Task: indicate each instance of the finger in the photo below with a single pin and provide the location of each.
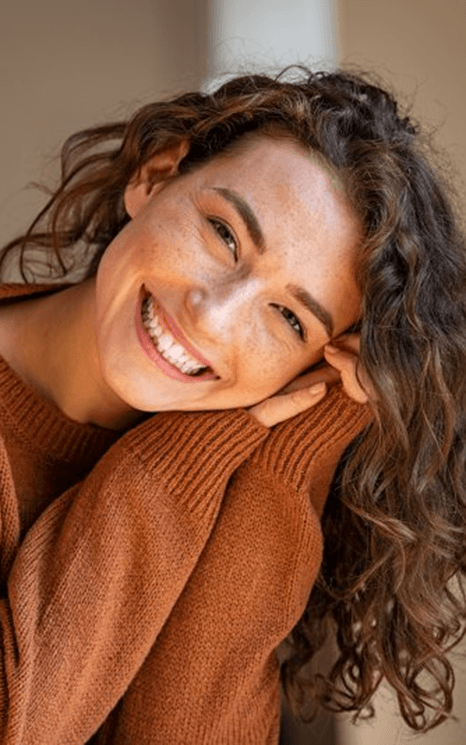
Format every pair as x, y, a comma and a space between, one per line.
340, 359
281, 407
348, 342
325, 374
347, 365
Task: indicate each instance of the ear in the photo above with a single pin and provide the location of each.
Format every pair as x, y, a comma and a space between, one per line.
152, 175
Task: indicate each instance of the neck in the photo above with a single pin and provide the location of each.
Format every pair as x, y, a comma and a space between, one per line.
57, 355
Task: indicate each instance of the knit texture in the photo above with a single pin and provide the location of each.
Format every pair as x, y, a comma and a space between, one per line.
149, 576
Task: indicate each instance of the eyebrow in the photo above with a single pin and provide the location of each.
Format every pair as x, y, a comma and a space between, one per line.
247, 215
255, 231
314, 306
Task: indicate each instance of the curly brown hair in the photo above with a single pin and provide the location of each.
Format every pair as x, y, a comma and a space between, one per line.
394, 524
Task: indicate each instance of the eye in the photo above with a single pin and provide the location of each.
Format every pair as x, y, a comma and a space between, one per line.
292, 320
225, 234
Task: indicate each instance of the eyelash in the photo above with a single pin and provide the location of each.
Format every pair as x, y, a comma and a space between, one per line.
218, 226
292, 320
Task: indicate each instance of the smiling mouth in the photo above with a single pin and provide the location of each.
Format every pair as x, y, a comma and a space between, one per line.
170, 347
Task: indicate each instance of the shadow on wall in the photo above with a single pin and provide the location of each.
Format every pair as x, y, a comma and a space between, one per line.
322, 731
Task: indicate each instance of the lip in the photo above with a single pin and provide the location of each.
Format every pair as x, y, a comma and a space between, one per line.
148, 347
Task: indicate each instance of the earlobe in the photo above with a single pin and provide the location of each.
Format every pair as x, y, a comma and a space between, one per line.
152, 175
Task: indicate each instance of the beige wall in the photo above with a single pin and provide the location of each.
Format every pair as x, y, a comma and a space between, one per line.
65, 65
419, 47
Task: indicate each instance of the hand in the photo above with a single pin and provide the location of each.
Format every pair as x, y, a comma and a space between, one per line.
307, 390
301, 394
344, 358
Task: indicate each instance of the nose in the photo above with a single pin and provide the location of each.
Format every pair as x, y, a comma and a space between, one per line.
219, 311
195, 299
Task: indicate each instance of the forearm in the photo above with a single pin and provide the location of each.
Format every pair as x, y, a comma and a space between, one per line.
99, 573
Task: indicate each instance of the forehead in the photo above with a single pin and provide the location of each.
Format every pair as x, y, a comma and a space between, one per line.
290, 185
267, 151
277, 166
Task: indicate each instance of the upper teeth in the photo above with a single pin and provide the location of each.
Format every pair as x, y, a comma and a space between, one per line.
165, 343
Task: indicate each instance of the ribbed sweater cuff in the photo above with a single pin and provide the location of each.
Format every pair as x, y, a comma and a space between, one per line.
304, 451
196, 450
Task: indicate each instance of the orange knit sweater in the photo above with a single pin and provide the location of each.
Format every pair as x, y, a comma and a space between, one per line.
149, 576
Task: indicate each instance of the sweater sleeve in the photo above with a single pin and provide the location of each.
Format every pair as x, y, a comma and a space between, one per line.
99, 572
295, 467
213, 675
303, 453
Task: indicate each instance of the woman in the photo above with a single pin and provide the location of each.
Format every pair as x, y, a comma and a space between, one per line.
154, 564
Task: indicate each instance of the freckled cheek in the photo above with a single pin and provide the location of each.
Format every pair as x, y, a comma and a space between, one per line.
177, 246
264, 364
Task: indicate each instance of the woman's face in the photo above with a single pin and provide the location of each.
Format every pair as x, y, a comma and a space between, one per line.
250, 261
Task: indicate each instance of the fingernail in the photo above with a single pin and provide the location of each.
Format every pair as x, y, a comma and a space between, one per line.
317, 388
